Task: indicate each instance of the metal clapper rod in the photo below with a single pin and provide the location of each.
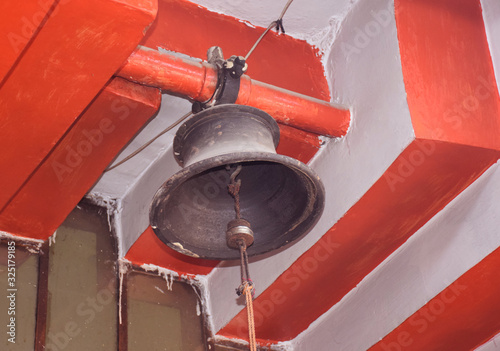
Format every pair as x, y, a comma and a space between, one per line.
239, 236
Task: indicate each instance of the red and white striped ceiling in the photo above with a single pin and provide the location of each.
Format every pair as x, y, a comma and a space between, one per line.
405, 254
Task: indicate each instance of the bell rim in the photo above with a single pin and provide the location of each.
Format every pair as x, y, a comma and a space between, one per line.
304, 227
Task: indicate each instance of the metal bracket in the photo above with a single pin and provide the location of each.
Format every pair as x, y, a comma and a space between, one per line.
228, 82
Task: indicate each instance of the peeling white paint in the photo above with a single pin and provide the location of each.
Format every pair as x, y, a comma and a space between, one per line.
181, 248
52, 238
33, 251
167, 274
111, 204
36, 243
198, 308
123, 265
204, 296
170, 281
6, 235
160, 290
248, 24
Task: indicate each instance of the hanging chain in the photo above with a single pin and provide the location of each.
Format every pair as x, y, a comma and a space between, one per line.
246, 287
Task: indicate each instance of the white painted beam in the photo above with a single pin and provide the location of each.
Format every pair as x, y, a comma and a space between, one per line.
132, 185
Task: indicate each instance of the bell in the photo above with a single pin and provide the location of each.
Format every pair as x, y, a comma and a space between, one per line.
280, 197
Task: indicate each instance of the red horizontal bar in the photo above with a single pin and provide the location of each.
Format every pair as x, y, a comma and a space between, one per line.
197, 81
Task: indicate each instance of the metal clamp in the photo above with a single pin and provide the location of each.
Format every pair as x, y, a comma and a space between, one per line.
228, 80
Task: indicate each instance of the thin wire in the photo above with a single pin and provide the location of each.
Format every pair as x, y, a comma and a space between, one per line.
285, 9
258, 40
273, 23
170, 127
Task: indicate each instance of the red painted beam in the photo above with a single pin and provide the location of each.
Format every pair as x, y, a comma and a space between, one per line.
71, 58
79, 158
20, 21
450, 152
148, 249
460, 318
297, 144
447, 70
198, 80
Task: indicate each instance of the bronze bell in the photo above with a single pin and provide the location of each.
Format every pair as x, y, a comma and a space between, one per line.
281, 197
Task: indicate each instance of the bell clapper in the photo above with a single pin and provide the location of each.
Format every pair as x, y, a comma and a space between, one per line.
239, 235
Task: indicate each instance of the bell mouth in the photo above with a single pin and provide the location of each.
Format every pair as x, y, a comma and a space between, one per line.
281, 197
